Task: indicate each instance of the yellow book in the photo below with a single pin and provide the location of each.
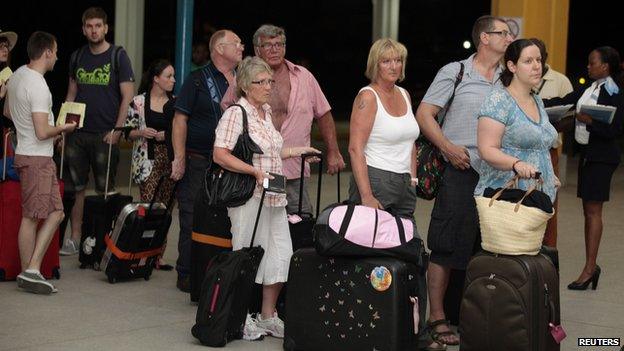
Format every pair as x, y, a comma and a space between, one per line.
5, 74
72, 112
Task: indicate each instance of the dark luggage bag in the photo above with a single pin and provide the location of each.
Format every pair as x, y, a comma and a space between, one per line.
99, 215
352, 303
509, 303
301, 232
211, 236
226, 293
138, 239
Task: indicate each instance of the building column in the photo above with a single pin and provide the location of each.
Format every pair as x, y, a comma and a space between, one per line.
184, 41
386, 19
129, 17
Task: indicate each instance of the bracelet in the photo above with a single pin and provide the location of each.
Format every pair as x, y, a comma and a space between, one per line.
513, 166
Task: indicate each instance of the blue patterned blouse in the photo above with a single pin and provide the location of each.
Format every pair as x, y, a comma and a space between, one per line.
523, 138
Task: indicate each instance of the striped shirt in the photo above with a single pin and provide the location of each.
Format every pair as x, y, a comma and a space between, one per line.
460, 121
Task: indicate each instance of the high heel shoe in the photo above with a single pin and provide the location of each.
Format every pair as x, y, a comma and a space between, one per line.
583, 286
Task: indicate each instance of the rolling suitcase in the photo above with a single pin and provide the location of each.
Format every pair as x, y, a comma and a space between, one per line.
100, 212
226, 293
510, 303
137, 239
211, 235
352, 303
10, 220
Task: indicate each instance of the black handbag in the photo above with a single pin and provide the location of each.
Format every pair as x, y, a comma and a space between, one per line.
232, 189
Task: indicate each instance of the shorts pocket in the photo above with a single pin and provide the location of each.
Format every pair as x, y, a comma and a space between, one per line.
441, 236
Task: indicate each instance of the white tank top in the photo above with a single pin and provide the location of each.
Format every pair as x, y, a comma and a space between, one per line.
391, 140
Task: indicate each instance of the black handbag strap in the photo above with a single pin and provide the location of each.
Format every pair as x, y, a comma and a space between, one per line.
245, 124
401, 230
458, 79
346, 220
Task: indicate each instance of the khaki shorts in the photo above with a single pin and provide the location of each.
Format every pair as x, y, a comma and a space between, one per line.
40, 189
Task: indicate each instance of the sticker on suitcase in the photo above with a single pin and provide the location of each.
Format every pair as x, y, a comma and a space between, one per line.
381, 278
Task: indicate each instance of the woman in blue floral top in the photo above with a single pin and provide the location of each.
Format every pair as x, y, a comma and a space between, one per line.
514, 135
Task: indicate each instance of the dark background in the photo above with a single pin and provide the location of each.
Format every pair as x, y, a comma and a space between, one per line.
332, 38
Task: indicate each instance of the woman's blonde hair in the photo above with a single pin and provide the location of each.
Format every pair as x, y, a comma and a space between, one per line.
247, 71
380, 50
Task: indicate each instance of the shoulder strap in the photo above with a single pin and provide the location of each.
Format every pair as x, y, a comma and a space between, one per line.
245, 129
458, 79
75, 59
115, 53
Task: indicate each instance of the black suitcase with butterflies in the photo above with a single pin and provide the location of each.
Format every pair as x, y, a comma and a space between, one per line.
352, 303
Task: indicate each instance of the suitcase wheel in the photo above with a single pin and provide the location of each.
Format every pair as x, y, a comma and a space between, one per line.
83, 265
56, 273
147, 276
112, 279
2, 275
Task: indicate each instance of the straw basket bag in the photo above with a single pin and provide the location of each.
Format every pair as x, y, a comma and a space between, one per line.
511, 228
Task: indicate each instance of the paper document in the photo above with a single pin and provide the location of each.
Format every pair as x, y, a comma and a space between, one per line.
600, 113
72, 112
5, 74
555, 113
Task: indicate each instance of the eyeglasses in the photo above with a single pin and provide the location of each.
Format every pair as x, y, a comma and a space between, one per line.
264, 82
238, 45
276, 46
504, 33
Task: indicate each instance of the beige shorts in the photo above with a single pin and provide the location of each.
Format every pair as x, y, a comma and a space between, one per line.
40, 188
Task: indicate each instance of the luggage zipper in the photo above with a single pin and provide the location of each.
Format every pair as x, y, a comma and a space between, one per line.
215, 295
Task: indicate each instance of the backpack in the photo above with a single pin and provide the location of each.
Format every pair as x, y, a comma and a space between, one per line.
77, 55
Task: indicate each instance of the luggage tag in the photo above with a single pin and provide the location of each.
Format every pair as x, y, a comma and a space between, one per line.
294, 219
557, 332
414, 300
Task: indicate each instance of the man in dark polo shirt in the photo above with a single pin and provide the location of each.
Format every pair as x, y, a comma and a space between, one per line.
193, 133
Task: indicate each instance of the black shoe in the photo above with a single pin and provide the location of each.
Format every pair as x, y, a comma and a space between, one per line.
184, 283
593, 280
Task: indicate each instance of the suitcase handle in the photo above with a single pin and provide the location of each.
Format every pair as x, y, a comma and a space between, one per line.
169, 203
302, 179
126, 131
4, 158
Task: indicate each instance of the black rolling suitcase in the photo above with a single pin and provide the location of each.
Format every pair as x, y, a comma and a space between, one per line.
510, 303
351, 303
99, 214
138, 239
211, 236
226, 293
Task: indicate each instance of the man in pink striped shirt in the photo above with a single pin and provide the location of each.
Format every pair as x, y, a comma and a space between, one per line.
296, 100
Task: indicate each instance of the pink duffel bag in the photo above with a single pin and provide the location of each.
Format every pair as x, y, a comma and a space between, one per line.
356, 230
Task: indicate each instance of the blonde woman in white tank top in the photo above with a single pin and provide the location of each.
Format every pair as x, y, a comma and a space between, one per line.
382, 132
381, 145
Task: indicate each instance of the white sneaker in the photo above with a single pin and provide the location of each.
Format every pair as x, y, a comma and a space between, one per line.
69, 248
33, 281
251, 332
273, 326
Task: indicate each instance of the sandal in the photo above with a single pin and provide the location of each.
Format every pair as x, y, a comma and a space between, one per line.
440, 337
436, 346
163, 266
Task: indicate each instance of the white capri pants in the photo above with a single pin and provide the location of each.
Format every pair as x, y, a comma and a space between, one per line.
273, 235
